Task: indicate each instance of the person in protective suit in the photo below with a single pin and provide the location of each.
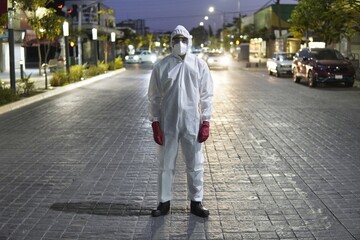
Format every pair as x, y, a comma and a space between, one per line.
180, 103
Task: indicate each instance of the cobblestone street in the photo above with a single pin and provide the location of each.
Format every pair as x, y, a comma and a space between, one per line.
282, 162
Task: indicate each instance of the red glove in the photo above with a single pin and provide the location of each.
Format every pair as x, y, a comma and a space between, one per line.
158, 136
204, 131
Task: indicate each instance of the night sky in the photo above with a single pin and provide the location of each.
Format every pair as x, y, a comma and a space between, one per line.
165, 15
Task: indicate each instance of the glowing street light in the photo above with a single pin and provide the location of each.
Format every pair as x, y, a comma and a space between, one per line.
66, 37
113, 39
94, 37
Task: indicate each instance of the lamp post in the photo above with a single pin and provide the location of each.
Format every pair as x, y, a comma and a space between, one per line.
11, 44
22, 57
113, 39
67, 51
94, 37
206, 18
212, 9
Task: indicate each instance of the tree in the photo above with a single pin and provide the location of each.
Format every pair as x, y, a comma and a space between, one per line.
3, 22
139, 41
211, 33
149, 40
45, 22
200, 36
165, 43
249, 31
327, 19
104, 38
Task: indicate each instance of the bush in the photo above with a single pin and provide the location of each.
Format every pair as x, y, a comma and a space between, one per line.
25, 87
7, 96
76, 73
59, 78
104, 67
92, 71
116, 65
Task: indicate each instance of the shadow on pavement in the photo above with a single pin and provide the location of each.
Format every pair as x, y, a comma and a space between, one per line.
101, 208
109, 209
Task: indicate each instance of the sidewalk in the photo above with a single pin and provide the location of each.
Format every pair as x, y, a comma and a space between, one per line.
53, 92
39, 80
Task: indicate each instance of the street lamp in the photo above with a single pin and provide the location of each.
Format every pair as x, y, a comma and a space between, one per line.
113, 39
94, 37
212, 9
67, 51
22, 57
11, 13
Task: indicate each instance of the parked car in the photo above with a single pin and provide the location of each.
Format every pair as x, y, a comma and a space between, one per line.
216, 60
141, 57
280, 64
322, 65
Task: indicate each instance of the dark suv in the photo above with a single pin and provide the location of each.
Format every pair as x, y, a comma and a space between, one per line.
322, 65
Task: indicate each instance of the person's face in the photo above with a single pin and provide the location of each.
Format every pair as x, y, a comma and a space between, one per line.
179, 38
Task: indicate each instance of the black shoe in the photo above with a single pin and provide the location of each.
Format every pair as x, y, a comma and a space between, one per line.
198, 209
162, 209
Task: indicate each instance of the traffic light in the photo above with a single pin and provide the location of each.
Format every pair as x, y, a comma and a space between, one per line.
57, 5
72, 11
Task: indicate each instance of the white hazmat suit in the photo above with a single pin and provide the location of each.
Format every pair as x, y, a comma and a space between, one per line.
180, 95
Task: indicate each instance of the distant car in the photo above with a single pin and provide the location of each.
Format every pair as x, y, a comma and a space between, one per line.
280, 64
141, 57
322, 65
196, 51
216, 60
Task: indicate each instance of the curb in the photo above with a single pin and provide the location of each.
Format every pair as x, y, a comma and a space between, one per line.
24, 102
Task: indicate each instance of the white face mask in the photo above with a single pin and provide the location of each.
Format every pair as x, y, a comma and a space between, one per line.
180, 48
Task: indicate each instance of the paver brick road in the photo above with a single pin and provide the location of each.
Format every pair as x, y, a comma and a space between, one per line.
282, 162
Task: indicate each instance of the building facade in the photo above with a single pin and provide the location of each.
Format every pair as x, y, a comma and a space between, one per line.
85, 16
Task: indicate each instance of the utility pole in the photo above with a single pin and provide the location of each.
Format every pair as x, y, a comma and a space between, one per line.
240, 23
11, 44
278, 13
79, 37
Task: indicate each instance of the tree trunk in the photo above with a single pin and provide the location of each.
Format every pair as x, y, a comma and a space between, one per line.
40, 58
106, 51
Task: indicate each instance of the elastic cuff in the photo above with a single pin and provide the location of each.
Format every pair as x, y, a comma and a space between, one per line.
155, 119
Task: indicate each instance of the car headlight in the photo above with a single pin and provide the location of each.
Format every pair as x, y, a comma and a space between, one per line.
136, 58
225, 60
153, 59
210, 61
127, 58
